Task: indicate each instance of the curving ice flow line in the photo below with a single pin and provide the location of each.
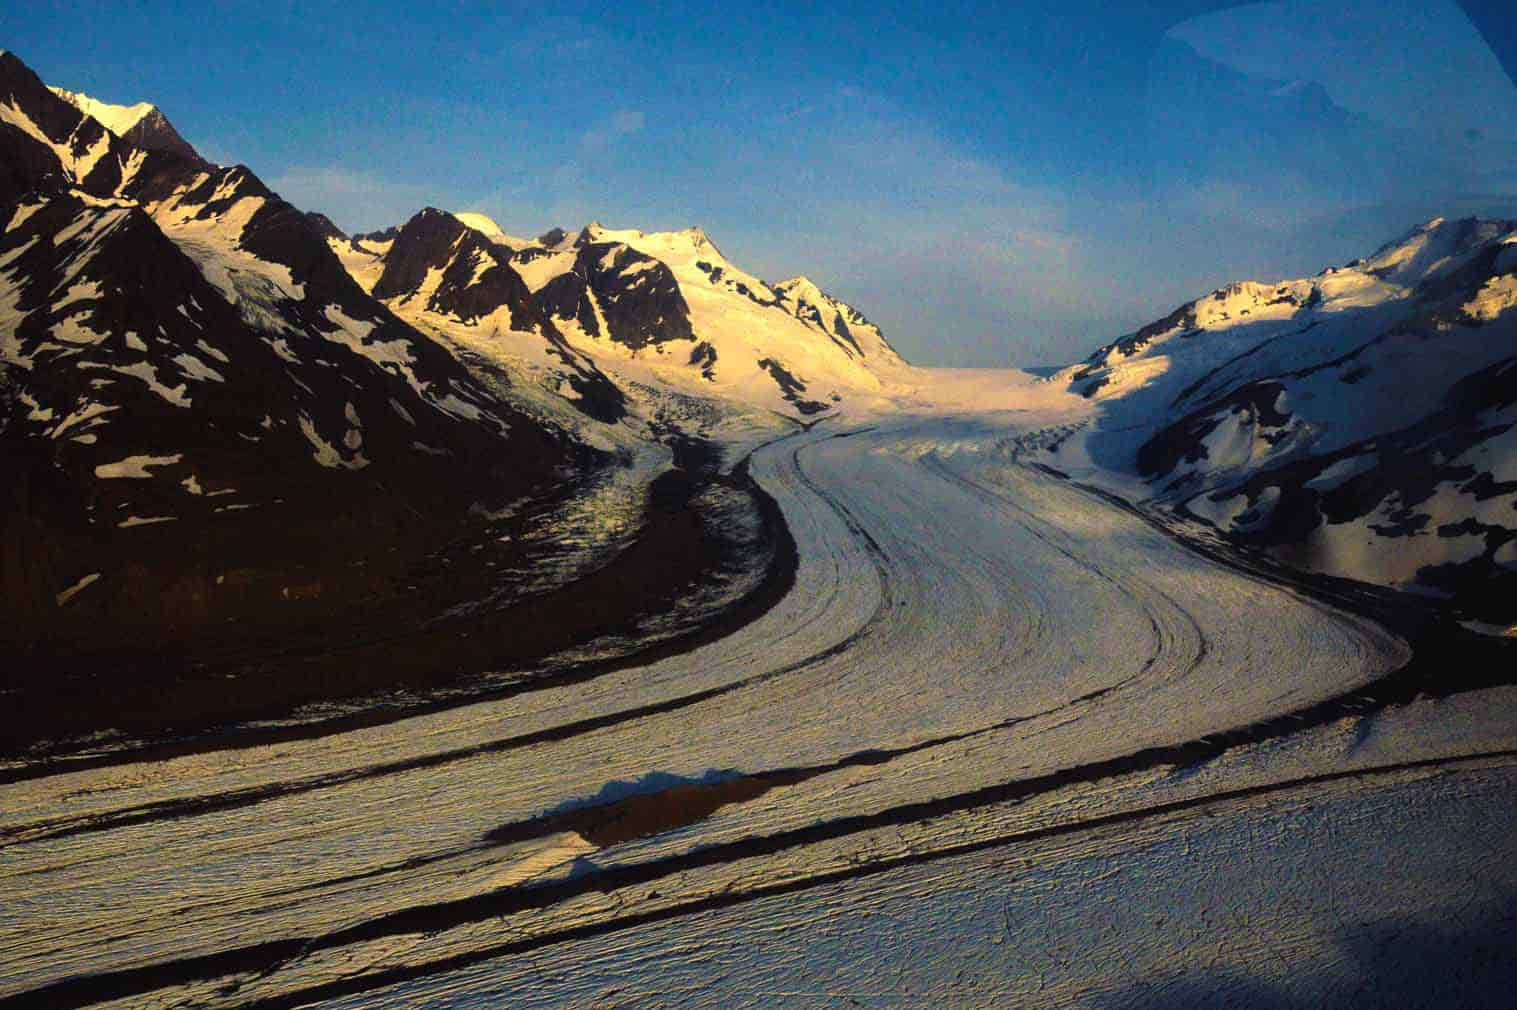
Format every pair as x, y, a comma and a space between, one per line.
958, 625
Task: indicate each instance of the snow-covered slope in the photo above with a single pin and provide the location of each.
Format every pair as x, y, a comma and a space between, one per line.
1359, 422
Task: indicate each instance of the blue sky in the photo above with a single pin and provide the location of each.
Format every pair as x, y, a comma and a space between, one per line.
994, 183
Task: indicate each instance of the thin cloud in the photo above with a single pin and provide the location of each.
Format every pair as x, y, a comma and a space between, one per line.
357, 201
893, 216
621, 124
555, 40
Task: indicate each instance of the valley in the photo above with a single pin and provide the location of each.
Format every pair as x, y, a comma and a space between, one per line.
945, 689
433, 616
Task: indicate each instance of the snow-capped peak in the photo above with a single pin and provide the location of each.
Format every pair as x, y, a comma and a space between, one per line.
688, 244
142, 125
116, 118
487, 227
700, 239
1411, 235
1432, 249
803, 290
801, 287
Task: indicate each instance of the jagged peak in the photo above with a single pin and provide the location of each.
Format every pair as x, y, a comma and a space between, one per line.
119, 119
142, 125
802, 284
389, 234
10, 60
701, 241
592, 232
326, 226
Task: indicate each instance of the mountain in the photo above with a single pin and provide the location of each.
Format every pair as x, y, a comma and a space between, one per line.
765, 345
616, 309
141, 125
212, 434
230, 428
1360, 423
456, 281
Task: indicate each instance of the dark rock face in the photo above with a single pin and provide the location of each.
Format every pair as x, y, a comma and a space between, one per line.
840, 327
604, 285
213, 436
792, 388
155, 133
567, 298
386, 235
151, 132
477, 278
423, 243
704, 356
325, 227
638, 296
1407, 468
91, 157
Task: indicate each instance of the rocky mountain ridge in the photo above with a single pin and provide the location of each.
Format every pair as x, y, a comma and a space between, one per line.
206, 418
660, 307
142, 125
